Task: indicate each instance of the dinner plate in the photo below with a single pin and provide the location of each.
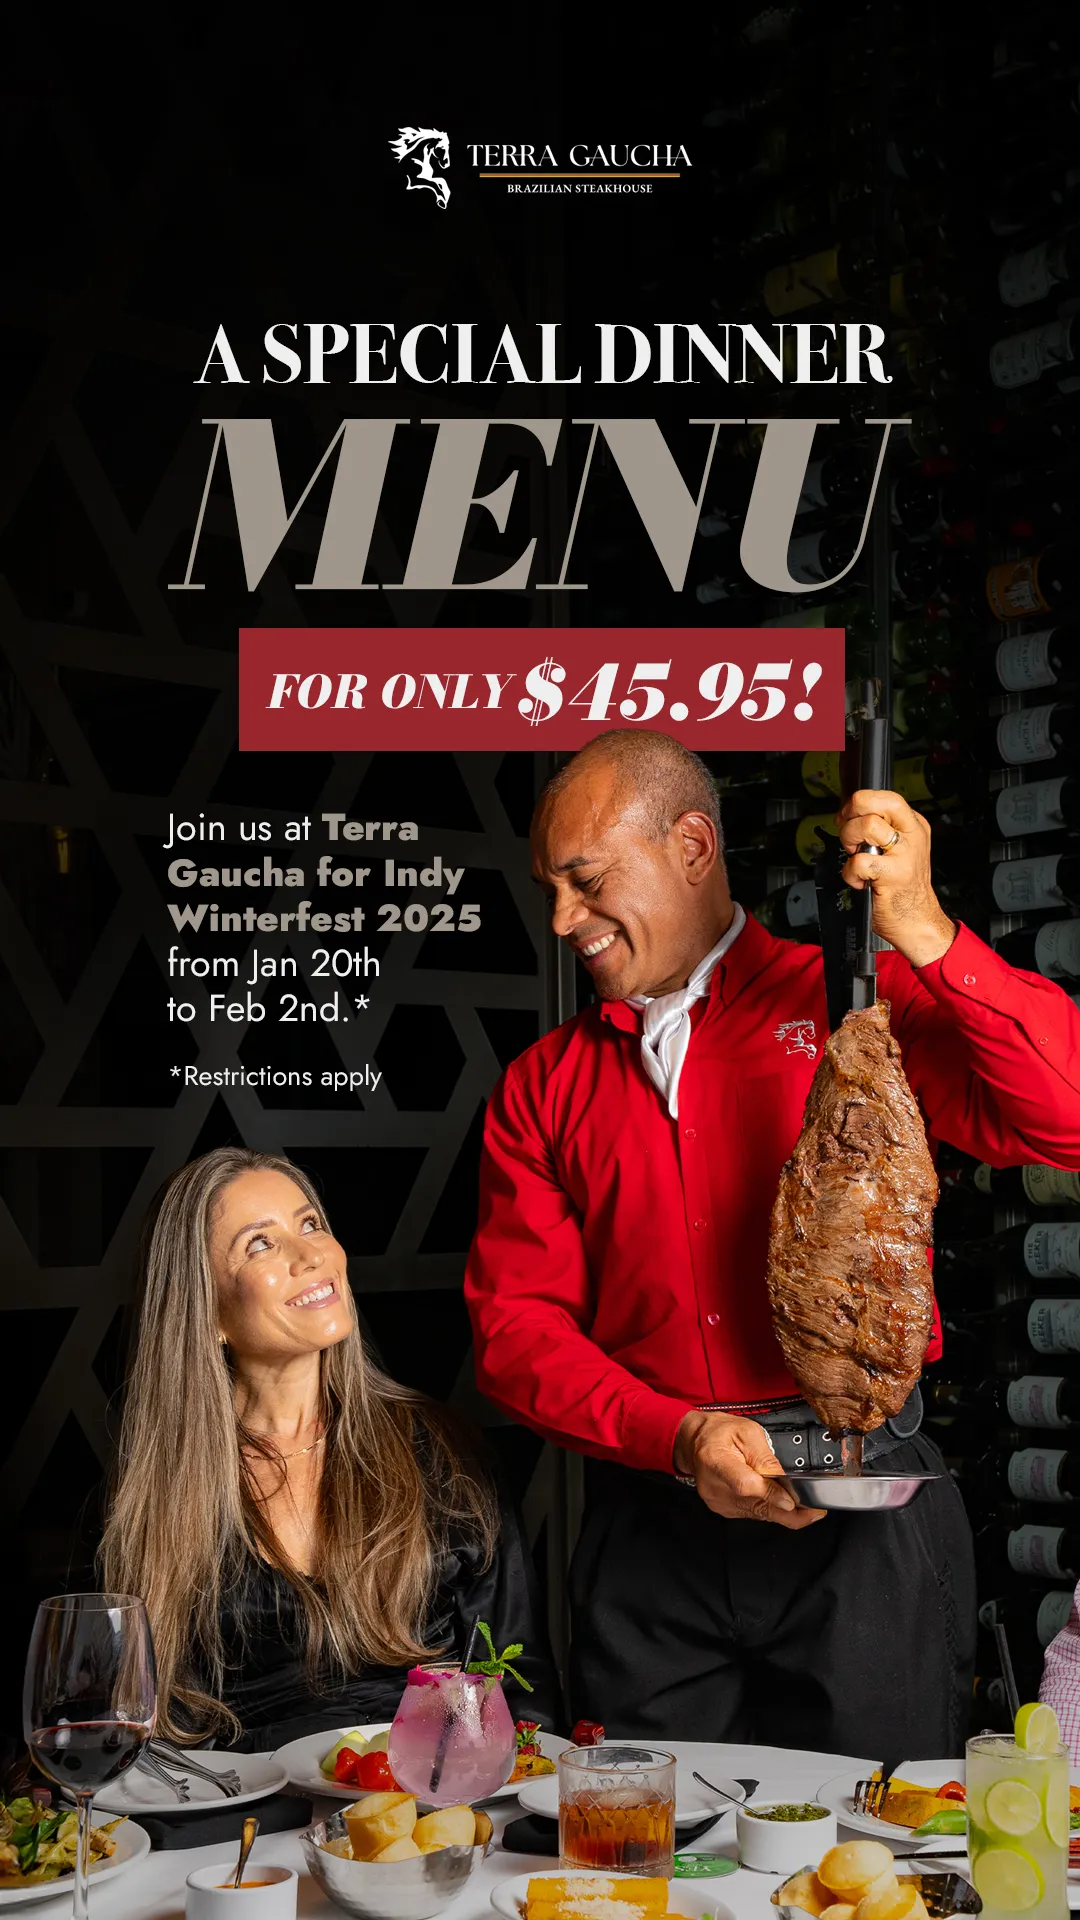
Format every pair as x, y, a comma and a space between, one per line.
695, 1898
692, 1801
300, 1760
139, 1792
132, 1845
837, 1794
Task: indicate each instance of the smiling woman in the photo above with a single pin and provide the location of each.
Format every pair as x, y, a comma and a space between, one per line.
301, 1527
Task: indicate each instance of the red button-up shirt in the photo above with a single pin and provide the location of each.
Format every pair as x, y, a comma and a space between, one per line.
617, 1277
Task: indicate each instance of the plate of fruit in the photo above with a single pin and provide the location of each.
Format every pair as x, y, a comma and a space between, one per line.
344, 1762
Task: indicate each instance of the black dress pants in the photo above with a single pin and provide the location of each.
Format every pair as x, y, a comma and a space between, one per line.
856, 1635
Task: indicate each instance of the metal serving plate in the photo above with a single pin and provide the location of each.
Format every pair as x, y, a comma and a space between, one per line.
857, 1492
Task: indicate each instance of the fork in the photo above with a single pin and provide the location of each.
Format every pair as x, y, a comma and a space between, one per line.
167, 1750
148, 1763
869, 1795
227, 1781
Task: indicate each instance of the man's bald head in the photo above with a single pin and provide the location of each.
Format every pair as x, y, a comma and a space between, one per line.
626, 846
656, 779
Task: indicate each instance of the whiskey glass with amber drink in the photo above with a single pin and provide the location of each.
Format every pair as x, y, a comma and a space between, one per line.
617, 1809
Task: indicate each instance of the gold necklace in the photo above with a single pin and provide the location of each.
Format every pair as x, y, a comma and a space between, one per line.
299, 1454
302, 1450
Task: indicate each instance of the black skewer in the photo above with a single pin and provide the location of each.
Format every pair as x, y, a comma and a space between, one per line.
873, 775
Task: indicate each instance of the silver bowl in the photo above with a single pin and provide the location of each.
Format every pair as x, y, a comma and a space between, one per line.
856, 1492
392, 1889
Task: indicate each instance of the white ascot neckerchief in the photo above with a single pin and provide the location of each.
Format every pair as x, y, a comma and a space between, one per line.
666, 1029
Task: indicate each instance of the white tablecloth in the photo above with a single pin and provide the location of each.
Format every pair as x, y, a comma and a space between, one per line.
154, 1890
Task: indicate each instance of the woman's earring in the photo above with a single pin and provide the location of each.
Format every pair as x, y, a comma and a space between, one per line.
222, 1340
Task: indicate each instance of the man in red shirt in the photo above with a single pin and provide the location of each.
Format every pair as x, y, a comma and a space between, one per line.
617, 1280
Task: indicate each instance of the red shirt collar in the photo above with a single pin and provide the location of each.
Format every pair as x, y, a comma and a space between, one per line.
740, 963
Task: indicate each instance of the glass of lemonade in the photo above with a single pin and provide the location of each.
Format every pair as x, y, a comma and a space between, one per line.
1018, 1827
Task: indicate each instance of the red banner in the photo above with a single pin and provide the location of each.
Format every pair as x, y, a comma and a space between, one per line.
439, 689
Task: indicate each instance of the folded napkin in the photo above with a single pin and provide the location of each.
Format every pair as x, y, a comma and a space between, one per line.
278, 1813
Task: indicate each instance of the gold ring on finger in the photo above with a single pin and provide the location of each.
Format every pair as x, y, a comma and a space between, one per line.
893, 842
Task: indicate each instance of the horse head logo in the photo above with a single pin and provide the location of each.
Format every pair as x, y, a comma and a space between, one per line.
427, 149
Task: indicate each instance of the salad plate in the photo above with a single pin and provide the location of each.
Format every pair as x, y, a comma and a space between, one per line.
132, 1845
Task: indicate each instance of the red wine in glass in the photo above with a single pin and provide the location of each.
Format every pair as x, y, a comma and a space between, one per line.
89, 1700
84, 1755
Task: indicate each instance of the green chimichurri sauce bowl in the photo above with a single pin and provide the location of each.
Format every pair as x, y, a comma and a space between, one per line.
788, 1810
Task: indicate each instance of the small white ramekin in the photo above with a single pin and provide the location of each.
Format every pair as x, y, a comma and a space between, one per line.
209, 1898
782, 1846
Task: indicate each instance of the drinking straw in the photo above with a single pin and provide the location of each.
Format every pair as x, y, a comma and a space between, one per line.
1007, 1669
448, 1724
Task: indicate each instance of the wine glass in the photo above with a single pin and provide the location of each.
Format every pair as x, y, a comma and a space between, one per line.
89, 1699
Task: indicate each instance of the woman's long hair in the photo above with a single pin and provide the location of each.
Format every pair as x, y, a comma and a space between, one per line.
185, 1513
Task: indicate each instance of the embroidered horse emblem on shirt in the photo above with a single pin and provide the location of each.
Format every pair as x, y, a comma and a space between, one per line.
799, 1035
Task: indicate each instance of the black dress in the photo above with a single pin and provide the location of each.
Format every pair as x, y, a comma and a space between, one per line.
267, 1684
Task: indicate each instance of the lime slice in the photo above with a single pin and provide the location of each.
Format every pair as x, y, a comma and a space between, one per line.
1012, 1808
1037, 1728
1058, 1820
1008, 1878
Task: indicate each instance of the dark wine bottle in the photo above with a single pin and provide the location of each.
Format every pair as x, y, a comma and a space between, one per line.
1048, 1475
791, 912
1051, 948
1036, 885
920, 642
1042, 657
1043, 735
922, 570
1044, 813
834, 276
1041, 1613
1033, 1400
792, 776
1032, 1186
922, 502
841, 481
1032, 193
789, 843
1047, 353
928, 708
1037, 583
1048, 270
931, 778
1047, 1552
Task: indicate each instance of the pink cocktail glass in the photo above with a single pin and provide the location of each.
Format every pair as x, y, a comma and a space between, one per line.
452, 1740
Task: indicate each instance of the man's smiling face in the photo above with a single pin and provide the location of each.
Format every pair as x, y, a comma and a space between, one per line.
622, 900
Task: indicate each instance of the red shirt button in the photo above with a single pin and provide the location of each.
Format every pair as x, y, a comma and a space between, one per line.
689, 1133
969, 979
699, 1225
713, 1319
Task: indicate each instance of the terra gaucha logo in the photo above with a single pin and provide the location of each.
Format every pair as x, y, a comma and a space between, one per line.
425, 148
